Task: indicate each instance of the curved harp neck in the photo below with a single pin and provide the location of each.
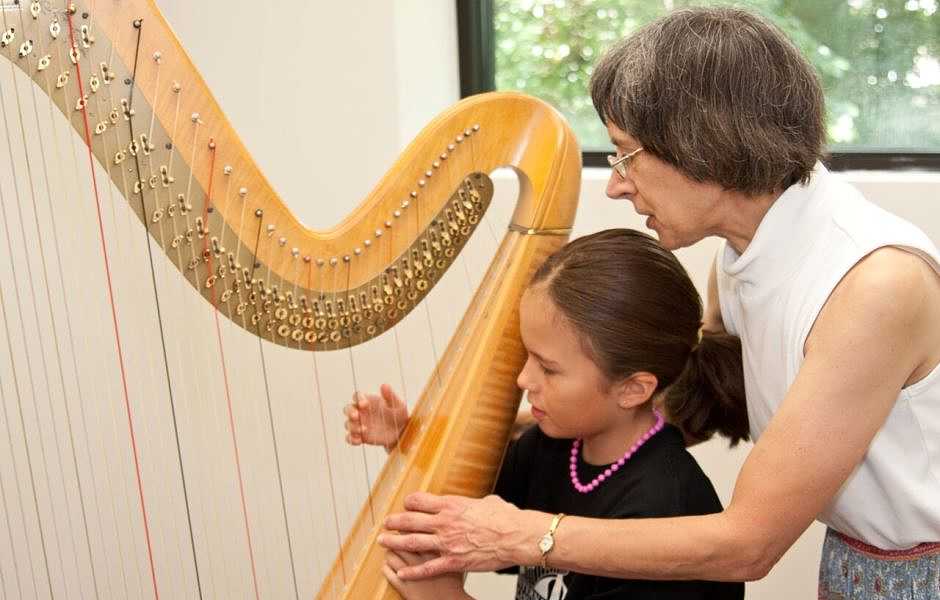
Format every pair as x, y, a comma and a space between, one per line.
480, 134
207, 204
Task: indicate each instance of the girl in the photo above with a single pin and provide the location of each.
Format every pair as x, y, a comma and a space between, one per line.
611, 326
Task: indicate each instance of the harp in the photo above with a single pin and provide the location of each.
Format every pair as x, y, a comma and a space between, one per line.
131, 465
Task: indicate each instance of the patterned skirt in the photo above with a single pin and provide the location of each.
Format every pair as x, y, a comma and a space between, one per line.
853, 570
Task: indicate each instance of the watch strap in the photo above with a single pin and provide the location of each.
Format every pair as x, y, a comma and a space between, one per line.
547, 541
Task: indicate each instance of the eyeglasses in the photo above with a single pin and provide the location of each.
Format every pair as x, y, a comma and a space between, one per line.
621, 163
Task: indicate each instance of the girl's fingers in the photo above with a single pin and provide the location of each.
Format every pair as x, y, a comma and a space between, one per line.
388, 394
395, 561
392, 578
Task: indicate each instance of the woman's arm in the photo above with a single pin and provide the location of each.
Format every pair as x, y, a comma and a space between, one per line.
876, 333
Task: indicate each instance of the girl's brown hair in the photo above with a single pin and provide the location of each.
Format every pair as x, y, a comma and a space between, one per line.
635, 309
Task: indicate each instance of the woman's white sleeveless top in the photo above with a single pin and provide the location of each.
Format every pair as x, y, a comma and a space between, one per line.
771, 295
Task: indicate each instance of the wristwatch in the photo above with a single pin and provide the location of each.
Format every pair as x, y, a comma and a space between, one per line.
547, 541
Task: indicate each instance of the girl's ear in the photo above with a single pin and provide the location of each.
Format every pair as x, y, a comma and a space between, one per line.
636, 389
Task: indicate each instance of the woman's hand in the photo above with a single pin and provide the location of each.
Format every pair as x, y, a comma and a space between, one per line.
467, 534
442, 587
376, 419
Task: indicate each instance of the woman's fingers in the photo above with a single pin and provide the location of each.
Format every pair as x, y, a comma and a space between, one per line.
410, 542
413, 522
429, 503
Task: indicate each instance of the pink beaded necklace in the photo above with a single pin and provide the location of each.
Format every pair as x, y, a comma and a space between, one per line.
576, 444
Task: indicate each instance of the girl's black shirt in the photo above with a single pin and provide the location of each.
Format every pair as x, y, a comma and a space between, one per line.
660, 480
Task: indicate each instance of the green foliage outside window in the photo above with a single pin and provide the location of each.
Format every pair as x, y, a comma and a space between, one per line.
879, 61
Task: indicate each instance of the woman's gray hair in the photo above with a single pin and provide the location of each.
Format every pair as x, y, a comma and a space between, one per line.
720, 94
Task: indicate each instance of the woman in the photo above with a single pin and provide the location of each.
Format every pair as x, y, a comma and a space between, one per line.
718, 124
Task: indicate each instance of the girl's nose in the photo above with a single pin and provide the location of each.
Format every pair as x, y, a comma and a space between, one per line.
524, 380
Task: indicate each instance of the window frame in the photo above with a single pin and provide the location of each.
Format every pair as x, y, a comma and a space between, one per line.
476, 37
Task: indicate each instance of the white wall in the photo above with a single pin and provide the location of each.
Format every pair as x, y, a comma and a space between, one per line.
325, 94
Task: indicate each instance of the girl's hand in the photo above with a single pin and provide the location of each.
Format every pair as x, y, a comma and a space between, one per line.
442, 587
376, 419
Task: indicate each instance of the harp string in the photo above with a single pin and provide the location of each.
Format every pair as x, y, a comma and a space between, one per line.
13, 458
172, 282
6, 518
29, 365
85, 293
55, 327
175, 279
306, 263
355, 381
117, 336
6, 420
145, 215
326, 448
277, 457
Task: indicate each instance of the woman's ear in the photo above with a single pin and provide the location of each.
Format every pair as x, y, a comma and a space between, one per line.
636, 389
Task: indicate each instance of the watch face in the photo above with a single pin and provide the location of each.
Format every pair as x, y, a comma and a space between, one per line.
546, 543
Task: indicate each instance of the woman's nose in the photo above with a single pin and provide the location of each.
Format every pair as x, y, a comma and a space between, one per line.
620, 187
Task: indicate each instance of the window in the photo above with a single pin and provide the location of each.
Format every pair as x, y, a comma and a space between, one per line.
879, 63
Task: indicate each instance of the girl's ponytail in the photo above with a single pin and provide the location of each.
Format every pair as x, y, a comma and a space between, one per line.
708, 396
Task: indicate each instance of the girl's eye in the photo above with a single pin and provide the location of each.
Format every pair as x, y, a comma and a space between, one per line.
548, 371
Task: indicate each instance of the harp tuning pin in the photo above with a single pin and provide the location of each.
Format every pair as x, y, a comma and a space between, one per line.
428, 174
436, 164
295, 252
307, 259
281, 241
476, 127
211, 144
422, 183
357, 251
388, 224
459, 138
270, 229
367, 243
195, 117
320, 262
333, 261
396, 214
443, 156
243, 192
466, 133
177, 87
406, 204
450, 147
346, 259
378, 233
157, 57
259, 213
228, 170
413, 194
